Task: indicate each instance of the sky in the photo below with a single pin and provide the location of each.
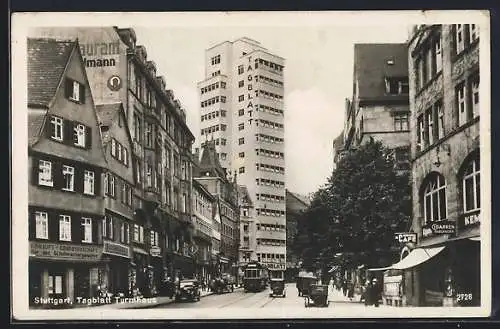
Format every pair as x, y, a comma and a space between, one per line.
318, 79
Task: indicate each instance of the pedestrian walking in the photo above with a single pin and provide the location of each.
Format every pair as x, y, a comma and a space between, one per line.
344, 287
350, 291
376, 295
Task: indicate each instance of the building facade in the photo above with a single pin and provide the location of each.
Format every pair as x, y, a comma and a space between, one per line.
203, 210
444, 93
225, 229
248, 227
379, 107
242, 110
119, 71
295, 206
66, 165
118, 184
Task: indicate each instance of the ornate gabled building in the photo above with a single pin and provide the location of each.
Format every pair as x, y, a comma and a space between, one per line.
66, 165
226, 213
120, 71
248, 227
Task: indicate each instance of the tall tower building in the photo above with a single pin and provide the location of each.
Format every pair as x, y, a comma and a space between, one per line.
242, 111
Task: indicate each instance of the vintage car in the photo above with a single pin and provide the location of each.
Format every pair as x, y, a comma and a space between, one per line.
304, 282
277, 283
317, 296
223, 283
188, 290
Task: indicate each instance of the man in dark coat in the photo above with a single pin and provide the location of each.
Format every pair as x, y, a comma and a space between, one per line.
377, 292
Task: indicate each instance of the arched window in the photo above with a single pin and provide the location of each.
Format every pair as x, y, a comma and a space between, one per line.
471, 187
434, 198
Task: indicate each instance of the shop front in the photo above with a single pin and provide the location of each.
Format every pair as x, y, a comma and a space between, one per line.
119, 257
140, 273
156, 269
63, 271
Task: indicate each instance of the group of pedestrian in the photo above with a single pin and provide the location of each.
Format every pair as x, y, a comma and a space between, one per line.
372, 293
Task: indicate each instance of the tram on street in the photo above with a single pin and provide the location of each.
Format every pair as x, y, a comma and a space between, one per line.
255, 277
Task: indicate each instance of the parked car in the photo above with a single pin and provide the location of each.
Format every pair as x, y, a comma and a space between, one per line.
188, 290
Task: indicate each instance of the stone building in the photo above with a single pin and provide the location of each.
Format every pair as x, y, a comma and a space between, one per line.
66, 165
225, 242
120, 71
379, 107
444, 94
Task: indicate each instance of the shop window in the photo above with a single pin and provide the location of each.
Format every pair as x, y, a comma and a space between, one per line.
55, 285
434, 198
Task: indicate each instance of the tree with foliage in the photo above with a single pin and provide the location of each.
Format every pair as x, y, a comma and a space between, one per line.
365, 201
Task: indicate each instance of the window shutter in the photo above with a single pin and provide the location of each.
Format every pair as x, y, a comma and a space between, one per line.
32, 225
68, 129
57, 175
82, 93
68, 88
81, 231
95, 230
88, 137
79, 179
48, 127
35, 171
53, 218
97, 182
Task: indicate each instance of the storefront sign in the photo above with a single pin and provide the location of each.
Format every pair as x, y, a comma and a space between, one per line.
274, 266
116, 249
439, 227
114, 83
55, 251
250, 106
470, 219
155, 251
406, 237
97, 54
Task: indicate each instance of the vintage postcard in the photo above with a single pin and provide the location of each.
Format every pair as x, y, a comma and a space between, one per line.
251, 165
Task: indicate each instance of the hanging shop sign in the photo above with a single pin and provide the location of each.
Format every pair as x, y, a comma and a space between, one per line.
116, 249
439, 227
70, 252
405, 237
155, 251
470, 219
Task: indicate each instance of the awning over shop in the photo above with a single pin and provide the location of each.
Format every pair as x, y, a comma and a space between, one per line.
476, 238
416, 257
379, 269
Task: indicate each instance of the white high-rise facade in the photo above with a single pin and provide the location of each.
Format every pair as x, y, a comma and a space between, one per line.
242, 109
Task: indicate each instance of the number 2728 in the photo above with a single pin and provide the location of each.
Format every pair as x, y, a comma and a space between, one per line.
464, 297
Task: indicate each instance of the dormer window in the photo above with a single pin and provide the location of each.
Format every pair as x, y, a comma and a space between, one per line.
396, 86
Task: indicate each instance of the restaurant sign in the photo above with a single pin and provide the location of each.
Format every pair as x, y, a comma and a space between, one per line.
72, 252
405, 237
439, 227
116, 249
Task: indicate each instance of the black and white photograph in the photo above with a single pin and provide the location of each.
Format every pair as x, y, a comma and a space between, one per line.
251, 165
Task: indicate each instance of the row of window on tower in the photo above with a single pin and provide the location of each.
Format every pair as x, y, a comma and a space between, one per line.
263, 79
270, 154
269, 139
263, 93
271, 66
270, 168
270, 258
431, 125
215, 60
213, 86
213, 100
271, 242
270, 197
269, 182
270, 212
269, 124
213, 115
269, 109
214, 128
218, 141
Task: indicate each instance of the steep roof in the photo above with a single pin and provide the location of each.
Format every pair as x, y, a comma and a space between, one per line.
107, 113
302, 198
36, 119
371, 67
210, 161
47, 60
245, 195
